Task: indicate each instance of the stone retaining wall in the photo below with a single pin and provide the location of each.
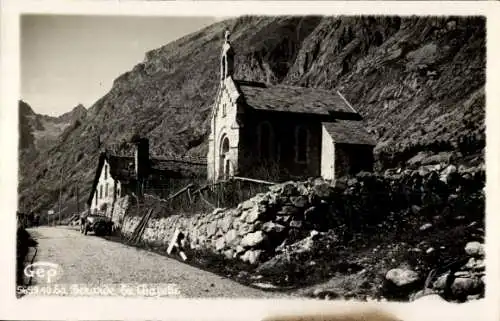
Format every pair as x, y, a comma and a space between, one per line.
290, 211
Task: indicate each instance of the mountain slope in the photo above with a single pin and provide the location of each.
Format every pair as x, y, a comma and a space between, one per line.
419, 83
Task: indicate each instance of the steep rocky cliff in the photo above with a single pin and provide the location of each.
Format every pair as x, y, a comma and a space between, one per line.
419, 83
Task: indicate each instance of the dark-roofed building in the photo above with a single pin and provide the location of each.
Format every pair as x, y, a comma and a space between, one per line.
282, 132
118, 176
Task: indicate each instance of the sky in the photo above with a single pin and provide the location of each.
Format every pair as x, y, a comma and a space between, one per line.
67, 60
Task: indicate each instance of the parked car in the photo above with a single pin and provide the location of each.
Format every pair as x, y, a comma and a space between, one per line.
99, 224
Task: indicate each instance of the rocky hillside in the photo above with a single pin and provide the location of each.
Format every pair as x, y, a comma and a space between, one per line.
419, 82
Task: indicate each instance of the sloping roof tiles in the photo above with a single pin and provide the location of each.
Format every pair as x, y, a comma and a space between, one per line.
349, 132
293, 99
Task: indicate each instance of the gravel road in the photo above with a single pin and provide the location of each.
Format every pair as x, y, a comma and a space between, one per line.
95, 261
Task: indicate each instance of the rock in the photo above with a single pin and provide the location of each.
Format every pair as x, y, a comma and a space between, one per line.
474, 297
248, 204
464, 286
422, 293
211, 229
229, 254
402, 277
474, 249
255, 213
271, 227
429, 250
299, 201
251, 256
244, 229
283, 219
314, 234
475, 264
289, 189
220, 244
261, 199
226, 223
253, 239
240, 249
217, 211
447, 173
296, 224
325, 294
231, 238
302, 189
310, 214
323, 191
425, 227
415, 209
440, 282
287, 210
242, 274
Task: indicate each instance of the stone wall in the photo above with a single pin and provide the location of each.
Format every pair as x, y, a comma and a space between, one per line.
291, 211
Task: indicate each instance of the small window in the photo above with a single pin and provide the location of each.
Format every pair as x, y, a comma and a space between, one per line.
100, 191
302, 142
118, 192
106, 171
106, 191
96, 196
224, 109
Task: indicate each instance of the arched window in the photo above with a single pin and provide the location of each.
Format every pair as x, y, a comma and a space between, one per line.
265, 138
96, 196
301, 144
106, 171
100, 191
224, 165
224, 109
106, 191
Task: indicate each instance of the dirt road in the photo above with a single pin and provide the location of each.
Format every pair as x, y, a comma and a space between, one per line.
93, 260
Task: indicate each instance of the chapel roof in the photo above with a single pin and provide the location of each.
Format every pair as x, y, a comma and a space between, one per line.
294, 99
349, 132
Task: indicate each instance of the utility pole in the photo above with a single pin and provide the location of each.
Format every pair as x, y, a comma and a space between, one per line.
60, 195
77, 200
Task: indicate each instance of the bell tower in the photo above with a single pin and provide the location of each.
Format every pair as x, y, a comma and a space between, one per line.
227, 58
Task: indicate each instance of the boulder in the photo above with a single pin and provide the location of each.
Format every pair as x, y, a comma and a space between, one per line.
220, 244
299, 201
211, 229
243, 229
231, 238
474, 249
255, 213
251, 256
323, 191
440, 283
425, 227
475, 264
240, 249
448, 173
287, 210
247, 204
253, 239
226, 223
310, 213
296, 224
464, 286
229, 254
402, 277
289, 189
271, 227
